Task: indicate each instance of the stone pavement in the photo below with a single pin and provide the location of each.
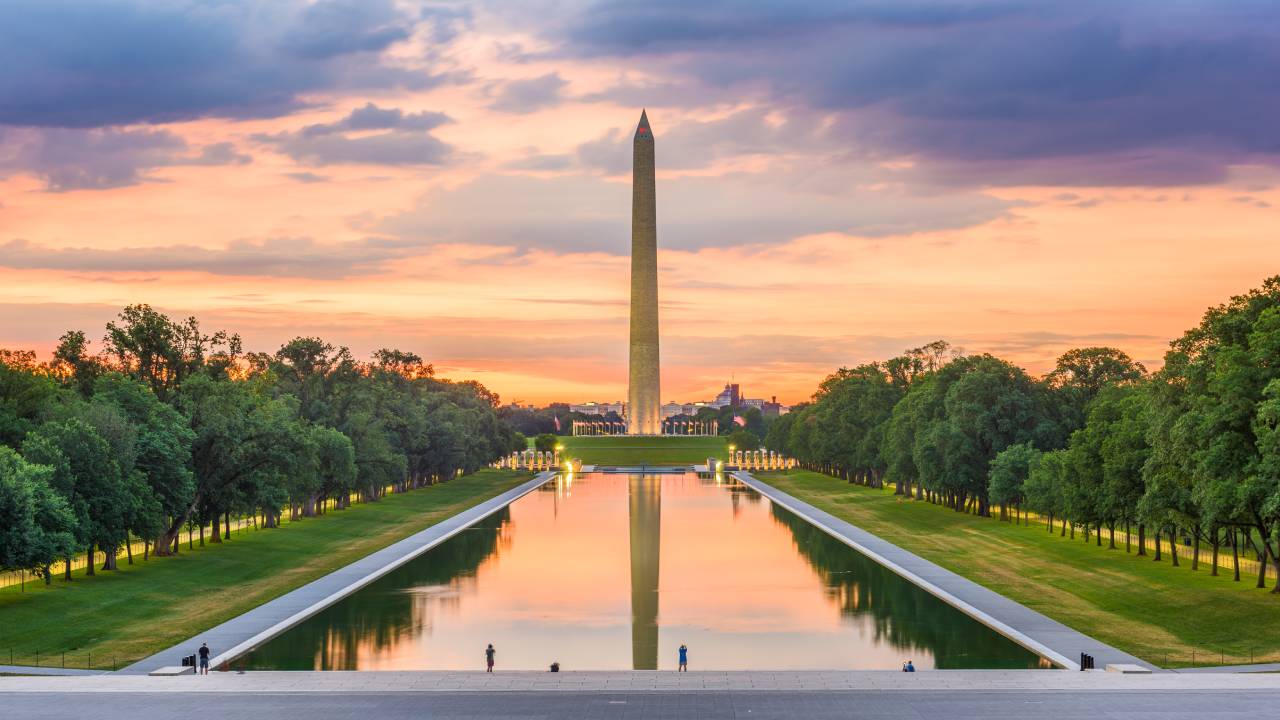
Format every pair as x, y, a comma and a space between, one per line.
642, 681
241, 633
710, 705
1046, 637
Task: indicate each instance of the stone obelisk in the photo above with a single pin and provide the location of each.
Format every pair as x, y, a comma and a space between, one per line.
644, 416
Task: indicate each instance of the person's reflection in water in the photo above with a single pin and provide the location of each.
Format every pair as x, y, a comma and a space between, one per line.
644, 495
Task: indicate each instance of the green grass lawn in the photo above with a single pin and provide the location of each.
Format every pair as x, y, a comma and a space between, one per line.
148, 606
1149, 609
643, 450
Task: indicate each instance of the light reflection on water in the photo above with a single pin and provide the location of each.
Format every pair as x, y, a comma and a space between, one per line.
614, 572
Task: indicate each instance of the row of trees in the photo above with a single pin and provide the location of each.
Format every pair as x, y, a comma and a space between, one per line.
170, 428
1190, 452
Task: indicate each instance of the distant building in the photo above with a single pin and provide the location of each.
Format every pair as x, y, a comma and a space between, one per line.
672, 409
731, 396
594, 408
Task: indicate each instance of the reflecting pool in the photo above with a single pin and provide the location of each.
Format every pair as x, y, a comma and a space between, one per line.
615, 572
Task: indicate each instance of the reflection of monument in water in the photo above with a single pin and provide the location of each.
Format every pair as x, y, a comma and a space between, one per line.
644, 501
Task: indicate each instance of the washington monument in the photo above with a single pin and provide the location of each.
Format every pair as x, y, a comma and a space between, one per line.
644, 416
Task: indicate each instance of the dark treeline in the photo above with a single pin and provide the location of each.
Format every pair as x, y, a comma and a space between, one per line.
170, 428
1190, 452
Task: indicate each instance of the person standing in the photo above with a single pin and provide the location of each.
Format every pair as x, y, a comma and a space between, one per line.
684, 658
488, 657
204, 658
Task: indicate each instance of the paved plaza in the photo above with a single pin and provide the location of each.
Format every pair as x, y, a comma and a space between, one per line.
689, 696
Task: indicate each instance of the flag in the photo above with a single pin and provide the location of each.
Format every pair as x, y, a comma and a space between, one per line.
738, 419
557, 417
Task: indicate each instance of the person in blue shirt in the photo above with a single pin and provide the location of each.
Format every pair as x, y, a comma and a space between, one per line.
684, 658
908, 667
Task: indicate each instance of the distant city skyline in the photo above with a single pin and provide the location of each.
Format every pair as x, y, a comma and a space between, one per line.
837, 181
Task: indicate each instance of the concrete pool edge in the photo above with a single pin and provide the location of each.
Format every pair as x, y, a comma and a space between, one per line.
1036, 632
245, 631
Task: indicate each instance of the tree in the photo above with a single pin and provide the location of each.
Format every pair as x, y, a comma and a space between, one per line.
546, 442
1043, 489
88, 478
161, 453
161, 353
1210, 415
26, 396
1010, 469
36, 526
73, 363
743, 440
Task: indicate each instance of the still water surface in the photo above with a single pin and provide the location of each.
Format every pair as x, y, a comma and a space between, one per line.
614, 572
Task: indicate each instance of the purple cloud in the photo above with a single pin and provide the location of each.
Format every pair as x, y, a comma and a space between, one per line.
93, 63
1025, 91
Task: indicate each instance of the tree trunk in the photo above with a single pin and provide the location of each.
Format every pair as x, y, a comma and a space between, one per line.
226, 524
268, 519
1157, 537
1111, 536
1173, 546
48, 576
146, 549
1235, 555
1195, 547
1073, 532
66, 569
90, 558
128, 548
1213, 570
1142, 539
201, 534
1128, 539
215, 534
109, 561
1267, 544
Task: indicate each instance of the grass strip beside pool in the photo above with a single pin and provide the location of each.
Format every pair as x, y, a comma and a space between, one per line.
1172, 617
148, 606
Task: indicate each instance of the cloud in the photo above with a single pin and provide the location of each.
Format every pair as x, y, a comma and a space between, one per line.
75, 159
307, 177
530, 95
695, 144
405, 139
276, 257
329, 29
223, 153
95, 63
584, 213
1002, 92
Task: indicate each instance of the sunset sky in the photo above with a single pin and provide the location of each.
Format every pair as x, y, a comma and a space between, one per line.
838, 180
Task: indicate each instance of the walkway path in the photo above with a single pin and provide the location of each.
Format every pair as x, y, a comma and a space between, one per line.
241, 633
710, 705
1046, 637
639, 681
